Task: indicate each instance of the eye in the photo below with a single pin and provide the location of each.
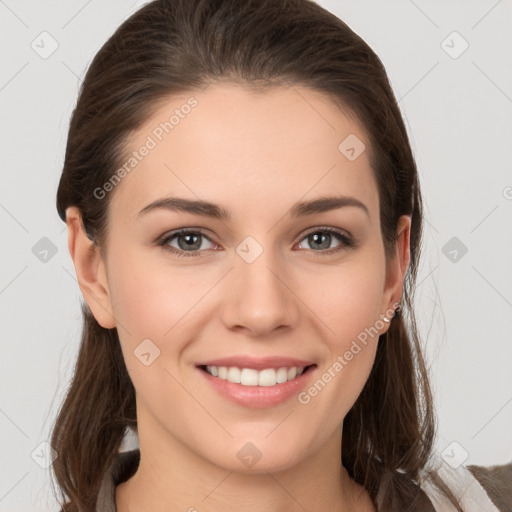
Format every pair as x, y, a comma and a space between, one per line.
189, 242
322, 238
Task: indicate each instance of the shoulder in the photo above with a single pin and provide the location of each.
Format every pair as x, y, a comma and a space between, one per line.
497, 483
486, 489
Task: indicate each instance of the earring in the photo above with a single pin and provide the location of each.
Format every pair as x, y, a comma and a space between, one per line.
386, 319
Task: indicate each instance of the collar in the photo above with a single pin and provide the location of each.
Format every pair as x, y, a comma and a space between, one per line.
123, 467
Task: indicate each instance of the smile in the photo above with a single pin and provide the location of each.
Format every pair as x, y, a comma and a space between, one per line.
252, 377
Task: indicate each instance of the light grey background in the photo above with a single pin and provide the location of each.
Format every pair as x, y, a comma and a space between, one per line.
458, 113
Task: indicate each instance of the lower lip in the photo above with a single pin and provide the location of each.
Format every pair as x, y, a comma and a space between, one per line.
258, 397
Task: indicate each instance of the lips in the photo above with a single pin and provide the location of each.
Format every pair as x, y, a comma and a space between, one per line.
256, 363
257, 396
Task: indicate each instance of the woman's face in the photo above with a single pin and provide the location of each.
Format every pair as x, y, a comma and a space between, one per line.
269, 280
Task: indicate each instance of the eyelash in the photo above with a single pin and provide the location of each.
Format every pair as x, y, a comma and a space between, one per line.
347, 242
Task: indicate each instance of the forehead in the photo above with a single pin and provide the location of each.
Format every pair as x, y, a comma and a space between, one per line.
246, 150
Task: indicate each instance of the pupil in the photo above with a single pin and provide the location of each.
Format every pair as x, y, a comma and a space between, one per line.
316, 237
190, 241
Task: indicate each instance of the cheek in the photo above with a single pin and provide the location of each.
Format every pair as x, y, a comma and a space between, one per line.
348, 299
149, 295
158, 301
351, 309
149, 298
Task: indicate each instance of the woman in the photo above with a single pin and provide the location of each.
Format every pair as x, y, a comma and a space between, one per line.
245, 220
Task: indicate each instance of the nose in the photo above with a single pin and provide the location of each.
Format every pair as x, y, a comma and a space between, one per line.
259, 296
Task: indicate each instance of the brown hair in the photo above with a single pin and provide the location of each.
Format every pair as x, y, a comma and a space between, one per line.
174, 46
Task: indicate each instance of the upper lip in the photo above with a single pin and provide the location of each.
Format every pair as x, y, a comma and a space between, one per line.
257, 363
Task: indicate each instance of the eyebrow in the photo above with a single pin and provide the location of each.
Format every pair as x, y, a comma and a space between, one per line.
207, 209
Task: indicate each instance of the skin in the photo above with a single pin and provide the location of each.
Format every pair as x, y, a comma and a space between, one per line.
255, 155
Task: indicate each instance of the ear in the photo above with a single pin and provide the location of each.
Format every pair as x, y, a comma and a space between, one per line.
396, 268
90, 269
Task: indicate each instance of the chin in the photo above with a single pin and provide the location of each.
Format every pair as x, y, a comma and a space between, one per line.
257, 456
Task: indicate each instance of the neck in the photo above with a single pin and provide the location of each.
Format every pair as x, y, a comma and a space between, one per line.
171, 477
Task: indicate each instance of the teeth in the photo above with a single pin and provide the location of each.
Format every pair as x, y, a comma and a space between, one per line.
251, 377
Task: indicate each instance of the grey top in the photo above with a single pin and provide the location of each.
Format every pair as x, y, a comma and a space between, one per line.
489, 487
